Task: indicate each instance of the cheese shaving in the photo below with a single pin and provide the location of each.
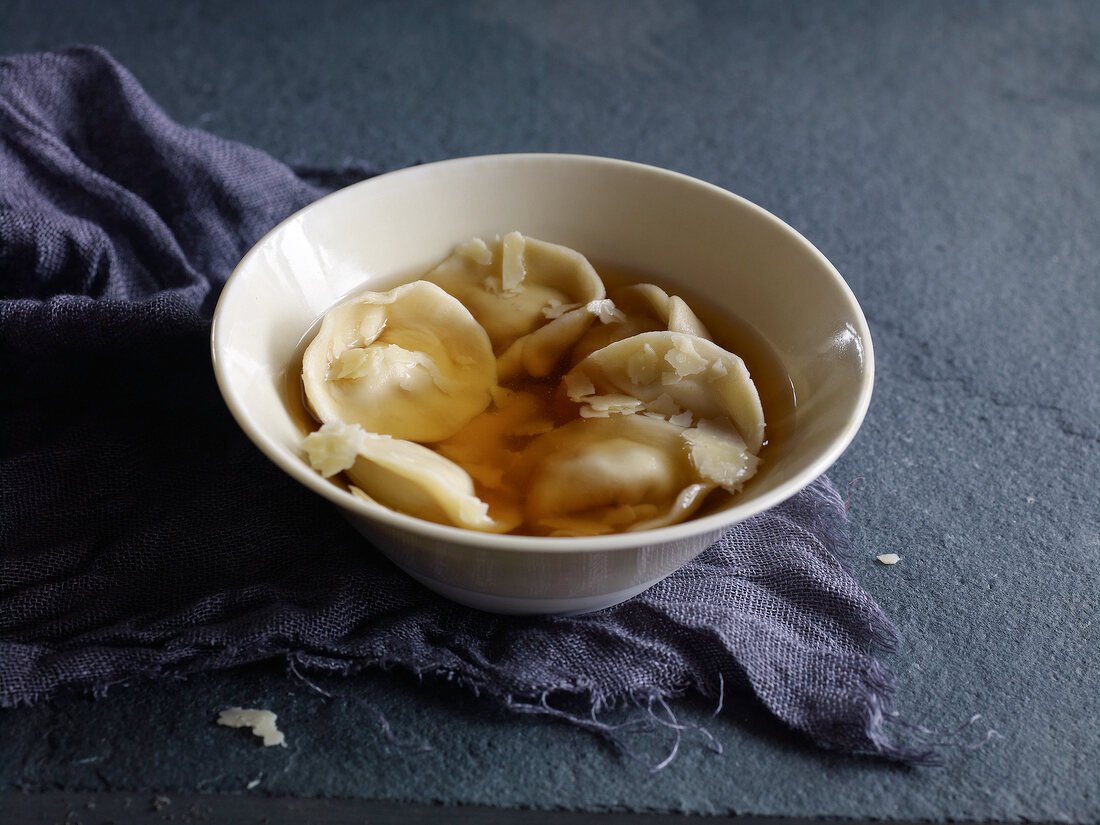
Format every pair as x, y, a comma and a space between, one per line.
605, 310
684, 359
579, 386
352, 363
477, 251
512, 271
601, 405
588, 412
262, 723
684, 419
719, 455
334, 447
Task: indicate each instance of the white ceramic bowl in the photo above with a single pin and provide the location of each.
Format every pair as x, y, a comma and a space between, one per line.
694, 238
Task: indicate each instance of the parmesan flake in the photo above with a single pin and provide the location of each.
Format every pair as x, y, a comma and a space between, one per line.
605, 310
684, 419
719, 455
477, 251
684, 359
578, 386
352, 363
512, 271
614, 403
334, 447
262, 723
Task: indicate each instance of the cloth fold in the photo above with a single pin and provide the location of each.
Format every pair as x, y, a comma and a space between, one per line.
144, 536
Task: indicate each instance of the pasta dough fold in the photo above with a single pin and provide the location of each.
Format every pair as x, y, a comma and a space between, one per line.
411, 363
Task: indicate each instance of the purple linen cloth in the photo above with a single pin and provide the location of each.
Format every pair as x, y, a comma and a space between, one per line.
144, 536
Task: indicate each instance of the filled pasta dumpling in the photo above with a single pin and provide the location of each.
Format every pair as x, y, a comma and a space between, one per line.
641, 308
534, 299
404, 476
507, 392
684, 378
411, 363
624, 473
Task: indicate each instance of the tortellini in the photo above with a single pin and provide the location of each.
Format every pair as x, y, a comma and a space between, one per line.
504, 392
617, 474
535, 299
402, 475
642, 308
670, 374
411, 363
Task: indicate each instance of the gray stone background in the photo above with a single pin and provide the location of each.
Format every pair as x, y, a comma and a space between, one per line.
943, 155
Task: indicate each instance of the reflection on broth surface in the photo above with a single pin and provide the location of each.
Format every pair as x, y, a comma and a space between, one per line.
517, 388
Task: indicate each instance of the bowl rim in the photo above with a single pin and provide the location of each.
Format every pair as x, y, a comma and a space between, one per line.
452, 535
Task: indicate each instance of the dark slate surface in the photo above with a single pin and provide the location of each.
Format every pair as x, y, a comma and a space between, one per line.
942, 155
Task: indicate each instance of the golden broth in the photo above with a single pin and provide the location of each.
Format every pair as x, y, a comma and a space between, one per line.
470, 447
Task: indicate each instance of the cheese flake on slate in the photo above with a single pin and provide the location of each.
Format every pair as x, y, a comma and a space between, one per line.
262, 723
